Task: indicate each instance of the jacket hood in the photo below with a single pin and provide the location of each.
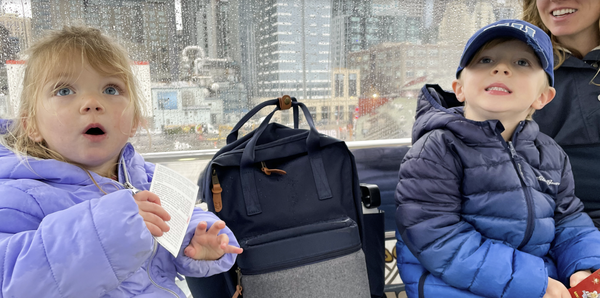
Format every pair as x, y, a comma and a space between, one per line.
440, 109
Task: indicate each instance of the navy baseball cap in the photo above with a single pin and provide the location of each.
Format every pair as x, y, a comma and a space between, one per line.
535, 37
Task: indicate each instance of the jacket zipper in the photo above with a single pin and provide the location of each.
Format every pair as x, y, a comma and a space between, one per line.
134, 191
528, 199
154, 249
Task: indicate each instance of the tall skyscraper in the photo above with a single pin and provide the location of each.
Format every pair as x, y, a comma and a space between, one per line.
212, 25
359, 25
293, 40
146, 28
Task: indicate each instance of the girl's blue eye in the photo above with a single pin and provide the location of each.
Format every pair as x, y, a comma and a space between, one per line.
64, 92
485, 60
523, 63
111, 91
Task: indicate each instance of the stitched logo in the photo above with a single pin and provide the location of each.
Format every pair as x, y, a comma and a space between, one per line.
530, 31
547, 181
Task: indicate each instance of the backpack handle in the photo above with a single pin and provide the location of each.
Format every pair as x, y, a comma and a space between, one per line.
233, 135
316, 162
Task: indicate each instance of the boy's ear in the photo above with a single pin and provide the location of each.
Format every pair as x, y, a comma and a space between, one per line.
458, 90
544, 98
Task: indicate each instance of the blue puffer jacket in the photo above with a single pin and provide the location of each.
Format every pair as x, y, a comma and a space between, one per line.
61, 237
482, 217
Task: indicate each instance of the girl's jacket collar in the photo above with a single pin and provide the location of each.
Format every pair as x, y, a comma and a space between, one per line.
439, 109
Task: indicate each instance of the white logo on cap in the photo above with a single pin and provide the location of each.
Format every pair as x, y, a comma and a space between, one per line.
530, 31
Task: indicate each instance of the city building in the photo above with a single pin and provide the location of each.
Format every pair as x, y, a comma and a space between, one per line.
358, 25
184, 104
292, 41
144, 27
400, 69
212, 54
18, 28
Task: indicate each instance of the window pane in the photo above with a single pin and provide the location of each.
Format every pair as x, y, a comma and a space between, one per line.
203, 64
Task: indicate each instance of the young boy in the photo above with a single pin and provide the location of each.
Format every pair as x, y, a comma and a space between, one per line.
486, 206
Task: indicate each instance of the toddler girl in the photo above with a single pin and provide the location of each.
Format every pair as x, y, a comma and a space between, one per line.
73, 222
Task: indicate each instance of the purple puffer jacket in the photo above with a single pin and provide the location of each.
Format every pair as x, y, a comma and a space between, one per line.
61, 237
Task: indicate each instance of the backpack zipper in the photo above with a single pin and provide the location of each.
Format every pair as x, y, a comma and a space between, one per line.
238, 288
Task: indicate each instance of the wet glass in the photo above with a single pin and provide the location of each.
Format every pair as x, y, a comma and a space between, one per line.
202, 64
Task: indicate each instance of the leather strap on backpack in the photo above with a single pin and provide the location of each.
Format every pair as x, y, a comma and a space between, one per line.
285, 102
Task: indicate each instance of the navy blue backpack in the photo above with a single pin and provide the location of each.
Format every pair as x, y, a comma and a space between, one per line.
292, 198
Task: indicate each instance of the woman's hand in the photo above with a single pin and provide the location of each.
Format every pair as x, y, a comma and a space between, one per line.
209, 245
151, 211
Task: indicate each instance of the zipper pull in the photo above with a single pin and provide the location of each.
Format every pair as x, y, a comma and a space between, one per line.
238, 288
129, 186
263, 167
216, 191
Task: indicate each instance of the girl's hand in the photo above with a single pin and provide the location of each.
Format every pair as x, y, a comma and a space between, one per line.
578, 276
209, 245
556, 289
153, 214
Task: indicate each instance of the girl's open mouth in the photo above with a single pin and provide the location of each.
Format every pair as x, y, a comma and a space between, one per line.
94, 132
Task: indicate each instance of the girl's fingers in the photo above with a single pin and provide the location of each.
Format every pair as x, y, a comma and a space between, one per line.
154, 230
155, 209
223, 239
147, 196
155, 220
201, 228
224, 245
216, 227
189, 252
230, 249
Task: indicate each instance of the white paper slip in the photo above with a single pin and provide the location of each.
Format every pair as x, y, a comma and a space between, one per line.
177, 196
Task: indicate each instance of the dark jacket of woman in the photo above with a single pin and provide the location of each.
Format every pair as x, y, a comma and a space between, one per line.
572, 119
482, 217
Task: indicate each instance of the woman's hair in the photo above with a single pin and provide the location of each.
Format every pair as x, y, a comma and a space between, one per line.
532, 15
54, 55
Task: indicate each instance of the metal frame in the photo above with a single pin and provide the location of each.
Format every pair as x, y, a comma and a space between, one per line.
157, 157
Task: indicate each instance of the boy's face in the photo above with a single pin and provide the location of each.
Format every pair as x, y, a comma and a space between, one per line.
503, 82
86, 117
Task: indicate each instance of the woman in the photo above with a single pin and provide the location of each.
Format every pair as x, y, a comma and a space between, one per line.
573, 117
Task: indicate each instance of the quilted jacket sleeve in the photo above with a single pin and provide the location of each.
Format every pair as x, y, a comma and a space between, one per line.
430, 223
201, 268
82, 251
575, 245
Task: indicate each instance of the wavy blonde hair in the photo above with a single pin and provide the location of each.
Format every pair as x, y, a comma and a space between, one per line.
55, 54
532, 15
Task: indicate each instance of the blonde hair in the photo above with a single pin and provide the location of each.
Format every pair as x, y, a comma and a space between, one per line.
532, 15
54, 55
